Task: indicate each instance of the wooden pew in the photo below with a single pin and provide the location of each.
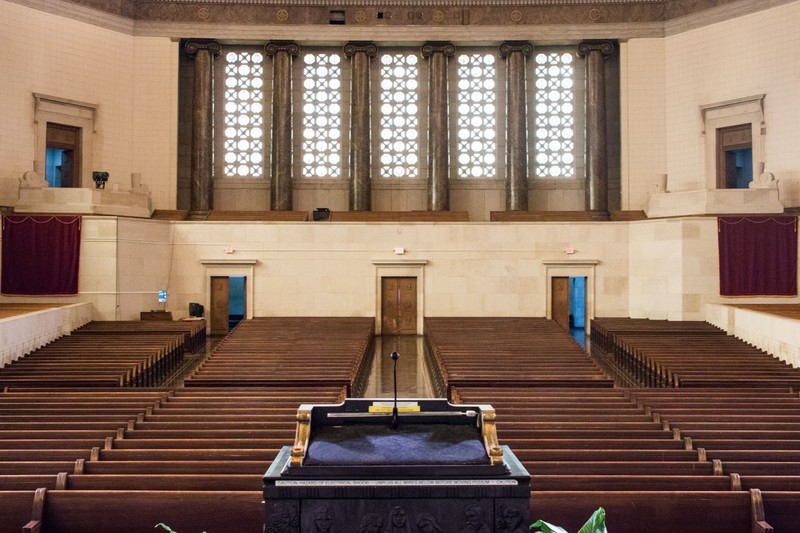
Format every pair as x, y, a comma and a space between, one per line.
167, 467
15, 509
323, 351
257, 216
627, 482
194, 331
35, 467
399, 216
656, 512
79, 511
512, 352
169, 481
780, 508
100, 360
686, 354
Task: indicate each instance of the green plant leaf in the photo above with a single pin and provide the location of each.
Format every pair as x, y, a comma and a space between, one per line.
596, 523
544, 527
165, 526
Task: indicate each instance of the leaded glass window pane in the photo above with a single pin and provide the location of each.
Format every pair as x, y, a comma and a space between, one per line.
322, 115
477, 116
554, 130
399, 116
243, 116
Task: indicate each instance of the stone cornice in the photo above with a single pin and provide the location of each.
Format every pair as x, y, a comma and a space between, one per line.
414, 3
453, 20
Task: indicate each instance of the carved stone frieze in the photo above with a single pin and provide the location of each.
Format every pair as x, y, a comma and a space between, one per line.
409, 12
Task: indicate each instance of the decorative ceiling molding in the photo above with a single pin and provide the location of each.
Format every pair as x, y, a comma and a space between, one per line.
408, 3
467, 21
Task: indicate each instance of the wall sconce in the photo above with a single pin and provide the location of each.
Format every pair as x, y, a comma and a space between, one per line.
228, 249
569, 250
399, 250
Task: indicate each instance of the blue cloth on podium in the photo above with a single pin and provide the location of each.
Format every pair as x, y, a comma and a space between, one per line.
409, 444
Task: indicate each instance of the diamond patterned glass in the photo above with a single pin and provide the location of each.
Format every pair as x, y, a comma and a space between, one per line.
554, 130
322, 115
243, 115
477, 116
399, 116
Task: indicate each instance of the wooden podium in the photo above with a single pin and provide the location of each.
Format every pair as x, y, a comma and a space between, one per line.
440, 471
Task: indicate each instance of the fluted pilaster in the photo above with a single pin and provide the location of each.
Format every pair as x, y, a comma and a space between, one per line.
438, 126
360, 163
281, 177
203, 52
516, 125
595, 53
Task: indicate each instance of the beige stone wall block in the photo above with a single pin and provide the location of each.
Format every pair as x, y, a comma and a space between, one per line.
503, 304
643, 120
99, 275
224, 199
702, 68
155, 117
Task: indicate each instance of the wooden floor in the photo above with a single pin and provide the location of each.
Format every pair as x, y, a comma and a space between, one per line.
784, 310
10, 310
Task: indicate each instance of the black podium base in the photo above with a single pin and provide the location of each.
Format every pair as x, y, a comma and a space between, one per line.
422, 499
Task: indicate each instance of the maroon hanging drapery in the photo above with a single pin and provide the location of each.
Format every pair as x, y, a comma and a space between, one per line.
757, 256
41, 255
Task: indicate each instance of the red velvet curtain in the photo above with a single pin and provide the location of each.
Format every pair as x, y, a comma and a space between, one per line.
41, 255
757, 256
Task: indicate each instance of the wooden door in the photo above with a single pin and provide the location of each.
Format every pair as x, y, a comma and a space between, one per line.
560, 302
220, 302
68, 168
68, 139
398, 306
729, 139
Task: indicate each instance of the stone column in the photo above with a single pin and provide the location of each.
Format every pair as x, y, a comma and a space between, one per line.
202, 192
438, 126
360, 163
595, 53
281, 175
516, 125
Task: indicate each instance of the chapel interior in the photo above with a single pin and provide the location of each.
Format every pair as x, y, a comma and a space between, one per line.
580, 212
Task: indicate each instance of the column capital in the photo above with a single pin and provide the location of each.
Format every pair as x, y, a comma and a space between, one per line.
273, 47
428, 49
604, 47
351, 48
195, 45
515, 46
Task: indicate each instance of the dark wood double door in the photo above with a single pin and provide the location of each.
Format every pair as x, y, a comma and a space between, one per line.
398, 306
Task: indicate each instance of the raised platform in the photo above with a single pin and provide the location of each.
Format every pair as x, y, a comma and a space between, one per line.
714, 202
25, 332
769, 331
84, 201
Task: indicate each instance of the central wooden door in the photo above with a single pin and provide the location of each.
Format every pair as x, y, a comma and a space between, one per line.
398, 306
560, 301
220, 303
